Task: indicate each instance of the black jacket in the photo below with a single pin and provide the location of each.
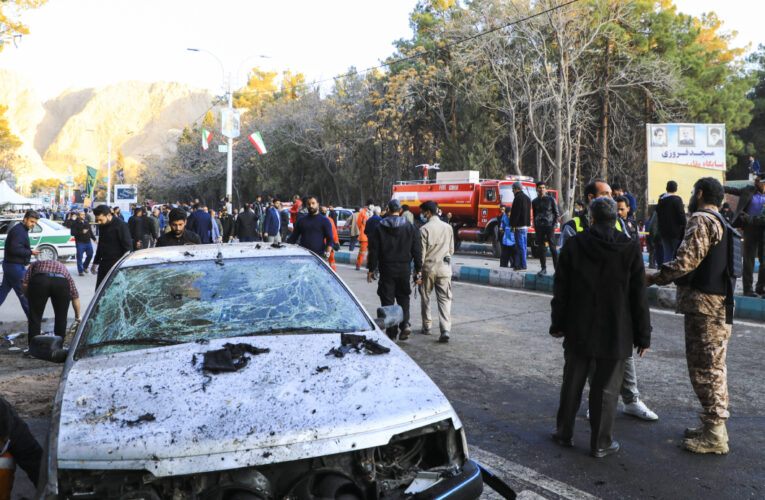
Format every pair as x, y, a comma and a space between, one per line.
17, 248
227, 223
245, 225
187, 238
520, 213
599, 295
140, 226
671, 214
82, 232
113, 242
395, 245
545, 211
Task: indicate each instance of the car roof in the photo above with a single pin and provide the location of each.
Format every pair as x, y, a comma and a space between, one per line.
188, 253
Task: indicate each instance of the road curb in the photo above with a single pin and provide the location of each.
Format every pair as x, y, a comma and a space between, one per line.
746, 307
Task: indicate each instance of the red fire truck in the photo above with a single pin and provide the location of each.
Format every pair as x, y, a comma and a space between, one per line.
475, 203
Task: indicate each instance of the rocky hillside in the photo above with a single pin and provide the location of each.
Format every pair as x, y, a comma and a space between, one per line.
75, 128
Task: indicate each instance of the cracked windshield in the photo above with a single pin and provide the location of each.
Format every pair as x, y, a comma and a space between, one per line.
190, 301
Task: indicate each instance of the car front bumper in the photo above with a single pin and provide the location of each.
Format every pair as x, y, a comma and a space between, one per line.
466, 485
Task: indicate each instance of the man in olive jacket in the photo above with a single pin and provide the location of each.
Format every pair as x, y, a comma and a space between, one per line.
600, 307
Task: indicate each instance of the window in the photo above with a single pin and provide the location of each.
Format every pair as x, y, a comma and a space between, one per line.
183, 302
36, 229
490, 195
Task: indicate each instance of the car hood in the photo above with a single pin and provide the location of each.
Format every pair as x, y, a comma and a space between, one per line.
156, 410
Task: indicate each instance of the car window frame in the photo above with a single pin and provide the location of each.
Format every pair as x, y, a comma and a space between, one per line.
77, 343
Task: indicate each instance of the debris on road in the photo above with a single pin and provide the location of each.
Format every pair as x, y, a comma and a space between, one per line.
146, 417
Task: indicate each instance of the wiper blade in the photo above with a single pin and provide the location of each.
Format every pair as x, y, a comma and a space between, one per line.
297, 329
136, 341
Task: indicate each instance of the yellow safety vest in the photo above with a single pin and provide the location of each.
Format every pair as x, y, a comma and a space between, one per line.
579, 228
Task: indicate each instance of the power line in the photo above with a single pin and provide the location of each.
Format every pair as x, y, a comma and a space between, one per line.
421, 54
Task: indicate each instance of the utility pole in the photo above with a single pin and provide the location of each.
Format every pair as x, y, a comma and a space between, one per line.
109, 176
230, 152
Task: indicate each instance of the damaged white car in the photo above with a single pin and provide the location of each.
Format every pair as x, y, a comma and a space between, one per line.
235, 372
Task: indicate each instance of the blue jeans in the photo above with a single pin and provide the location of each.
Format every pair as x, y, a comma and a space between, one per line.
669, 248
12, 274
87, 249
520, 248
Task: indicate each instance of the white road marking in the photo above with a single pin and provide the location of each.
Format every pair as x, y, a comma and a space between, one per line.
533, 484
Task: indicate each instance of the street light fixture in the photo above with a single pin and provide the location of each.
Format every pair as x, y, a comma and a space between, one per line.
230, 98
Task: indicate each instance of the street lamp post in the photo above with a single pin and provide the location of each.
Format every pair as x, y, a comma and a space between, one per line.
230, 148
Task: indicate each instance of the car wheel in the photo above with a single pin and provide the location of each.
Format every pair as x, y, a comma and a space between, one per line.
47, 253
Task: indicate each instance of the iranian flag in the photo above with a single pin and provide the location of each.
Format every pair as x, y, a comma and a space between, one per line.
206, 137
257, 140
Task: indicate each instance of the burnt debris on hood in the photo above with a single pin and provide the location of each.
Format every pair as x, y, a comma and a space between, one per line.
229, 359
351, 342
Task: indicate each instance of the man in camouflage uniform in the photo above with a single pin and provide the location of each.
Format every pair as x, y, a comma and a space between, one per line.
707, 329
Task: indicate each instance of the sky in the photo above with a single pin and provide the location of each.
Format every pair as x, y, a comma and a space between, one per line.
92, 43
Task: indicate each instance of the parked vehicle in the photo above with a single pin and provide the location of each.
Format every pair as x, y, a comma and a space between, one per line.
50, 238
244, 372
474, 203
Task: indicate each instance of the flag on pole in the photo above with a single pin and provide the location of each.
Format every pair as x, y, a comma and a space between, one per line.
257, 140
90, 181
206, 138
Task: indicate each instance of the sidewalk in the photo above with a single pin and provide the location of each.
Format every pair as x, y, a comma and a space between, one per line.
484, 269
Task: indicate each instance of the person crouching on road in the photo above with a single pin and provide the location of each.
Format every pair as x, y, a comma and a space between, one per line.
46, 279
705, 298
394, 245
437, 240
178, 234
600, 308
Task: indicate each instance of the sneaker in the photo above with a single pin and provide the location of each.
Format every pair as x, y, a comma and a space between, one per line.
542, 272
425, 331
82, 274
604, 452
640, 410
444, 338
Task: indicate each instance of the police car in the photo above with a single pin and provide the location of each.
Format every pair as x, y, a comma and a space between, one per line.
51, 239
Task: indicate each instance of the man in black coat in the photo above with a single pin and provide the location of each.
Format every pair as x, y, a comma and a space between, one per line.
750, 202
600, 307
178, 235
141, 229
545, 219
671, 215
114, 241
395, 245
520, 220
227, 222
245, 225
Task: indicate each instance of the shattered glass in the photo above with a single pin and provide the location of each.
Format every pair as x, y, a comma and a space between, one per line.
178, 302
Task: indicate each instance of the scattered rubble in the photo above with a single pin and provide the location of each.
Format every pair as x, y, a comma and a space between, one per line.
351, 342
229, 359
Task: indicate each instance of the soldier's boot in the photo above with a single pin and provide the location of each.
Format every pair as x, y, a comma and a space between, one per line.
712, 439
692, 432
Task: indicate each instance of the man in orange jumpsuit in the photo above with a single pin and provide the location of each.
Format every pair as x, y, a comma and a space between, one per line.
361, 222
335, 238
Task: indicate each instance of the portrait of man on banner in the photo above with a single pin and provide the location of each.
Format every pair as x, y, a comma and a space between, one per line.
659, 135
686, 135
715, 137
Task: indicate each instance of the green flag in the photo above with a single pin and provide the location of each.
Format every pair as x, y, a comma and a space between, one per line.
90, 182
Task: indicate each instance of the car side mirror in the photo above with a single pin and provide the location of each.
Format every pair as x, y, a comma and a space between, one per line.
48, 348
389, 316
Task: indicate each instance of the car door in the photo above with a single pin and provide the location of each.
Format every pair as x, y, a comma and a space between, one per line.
35, 235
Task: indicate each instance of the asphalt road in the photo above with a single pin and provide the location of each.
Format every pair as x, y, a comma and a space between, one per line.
501, 371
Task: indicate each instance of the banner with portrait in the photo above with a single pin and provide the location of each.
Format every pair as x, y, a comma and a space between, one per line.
683, 152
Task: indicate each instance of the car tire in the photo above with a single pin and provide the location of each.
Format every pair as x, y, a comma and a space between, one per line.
47, 252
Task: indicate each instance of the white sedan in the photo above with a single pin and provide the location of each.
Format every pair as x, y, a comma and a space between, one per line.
241, 372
